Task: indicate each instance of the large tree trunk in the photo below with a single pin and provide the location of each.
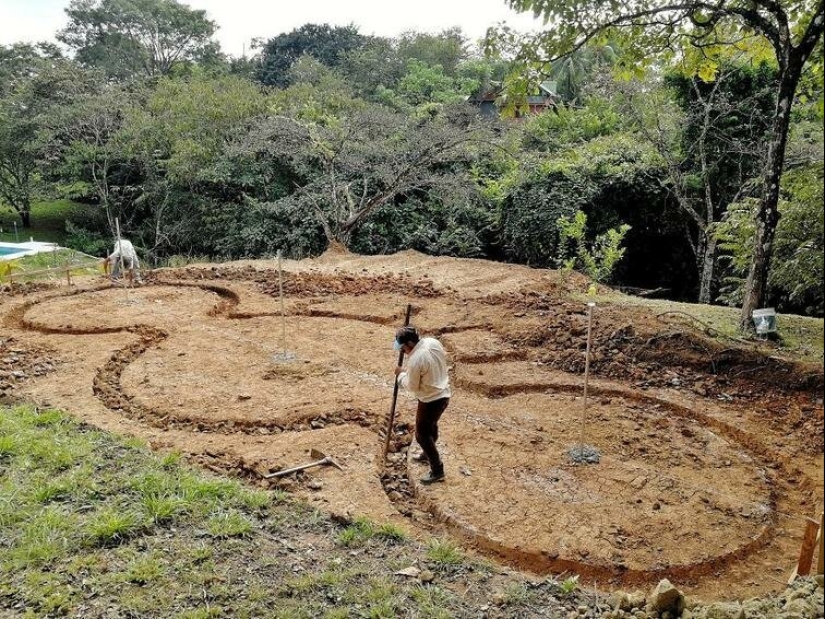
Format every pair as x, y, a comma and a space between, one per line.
342, 238
26, 218
767, 218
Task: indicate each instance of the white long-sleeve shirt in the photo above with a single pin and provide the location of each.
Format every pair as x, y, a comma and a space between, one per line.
426, 376
124, 248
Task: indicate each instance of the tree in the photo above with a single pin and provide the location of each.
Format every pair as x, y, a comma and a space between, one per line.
34, 82
709, 136
175, 141
127, 38
84, 145
447, 49
572, 72
597, 258
647, 29
795, 284
553, 187
317, 95
424, 84
345, 171
375, 65
326, 44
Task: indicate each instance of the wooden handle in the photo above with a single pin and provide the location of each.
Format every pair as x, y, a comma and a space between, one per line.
391, 420
296, 469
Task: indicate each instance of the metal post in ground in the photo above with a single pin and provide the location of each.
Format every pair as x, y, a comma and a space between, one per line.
283, 305
590, 307
16, 237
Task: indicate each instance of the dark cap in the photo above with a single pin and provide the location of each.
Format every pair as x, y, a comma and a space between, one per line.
407, 335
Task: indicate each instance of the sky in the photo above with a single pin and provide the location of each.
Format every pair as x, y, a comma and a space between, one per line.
240, 21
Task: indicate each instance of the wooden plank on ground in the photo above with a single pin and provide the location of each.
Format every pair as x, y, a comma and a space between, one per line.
806, 554
820, 566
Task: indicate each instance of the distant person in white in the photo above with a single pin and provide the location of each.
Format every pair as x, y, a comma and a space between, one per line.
426, 377
124, 253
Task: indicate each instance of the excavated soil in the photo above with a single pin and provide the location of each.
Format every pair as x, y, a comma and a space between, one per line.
704, 477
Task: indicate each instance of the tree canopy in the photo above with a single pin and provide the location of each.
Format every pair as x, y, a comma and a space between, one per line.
125, 38
656, 179
699, 33
327, 44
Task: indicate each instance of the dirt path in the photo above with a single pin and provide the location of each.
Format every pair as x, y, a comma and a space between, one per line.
700, 480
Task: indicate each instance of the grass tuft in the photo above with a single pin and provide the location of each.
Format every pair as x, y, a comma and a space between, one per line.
164, 509
111, 526
8, 447
358, 533
229, 524
444, 553
45, 536
255, 500
144, 570
46, 418
49, 491
431, 602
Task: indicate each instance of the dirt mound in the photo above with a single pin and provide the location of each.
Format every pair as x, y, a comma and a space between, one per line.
20, 362
636, 345
24, 288
308, 284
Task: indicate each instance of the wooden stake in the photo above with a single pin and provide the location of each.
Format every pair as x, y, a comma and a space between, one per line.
820, 566
391, 420
806, 554
283, 307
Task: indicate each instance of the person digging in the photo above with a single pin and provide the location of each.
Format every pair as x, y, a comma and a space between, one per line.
426, 377
125, 256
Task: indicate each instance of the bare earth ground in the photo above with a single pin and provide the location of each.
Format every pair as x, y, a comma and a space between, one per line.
711, 453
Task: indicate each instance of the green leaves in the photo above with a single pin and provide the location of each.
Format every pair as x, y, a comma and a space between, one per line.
597, 258
133, 38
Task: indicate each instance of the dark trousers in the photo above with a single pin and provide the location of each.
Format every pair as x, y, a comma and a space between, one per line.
426, 430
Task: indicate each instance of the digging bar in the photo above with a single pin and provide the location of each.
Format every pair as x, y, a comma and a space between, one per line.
391, 418
321, 459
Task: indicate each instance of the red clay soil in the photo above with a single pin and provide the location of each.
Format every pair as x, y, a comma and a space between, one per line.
704, 477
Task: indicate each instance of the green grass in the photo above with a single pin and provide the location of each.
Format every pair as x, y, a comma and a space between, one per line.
48, 222
803, 338
95, 526
358, 533
50, 266
229, 524
444, 554
569, 585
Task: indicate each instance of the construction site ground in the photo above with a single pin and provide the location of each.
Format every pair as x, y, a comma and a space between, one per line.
711, 450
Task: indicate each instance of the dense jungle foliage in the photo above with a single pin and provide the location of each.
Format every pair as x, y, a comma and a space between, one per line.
326, 135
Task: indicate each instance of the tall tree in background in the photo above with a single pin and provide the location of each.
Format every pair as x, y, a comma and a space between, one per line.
127, 38
85, 145
447, 49
572, 72
647, 29
326, 44
34, 81
347, 170
710, 137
